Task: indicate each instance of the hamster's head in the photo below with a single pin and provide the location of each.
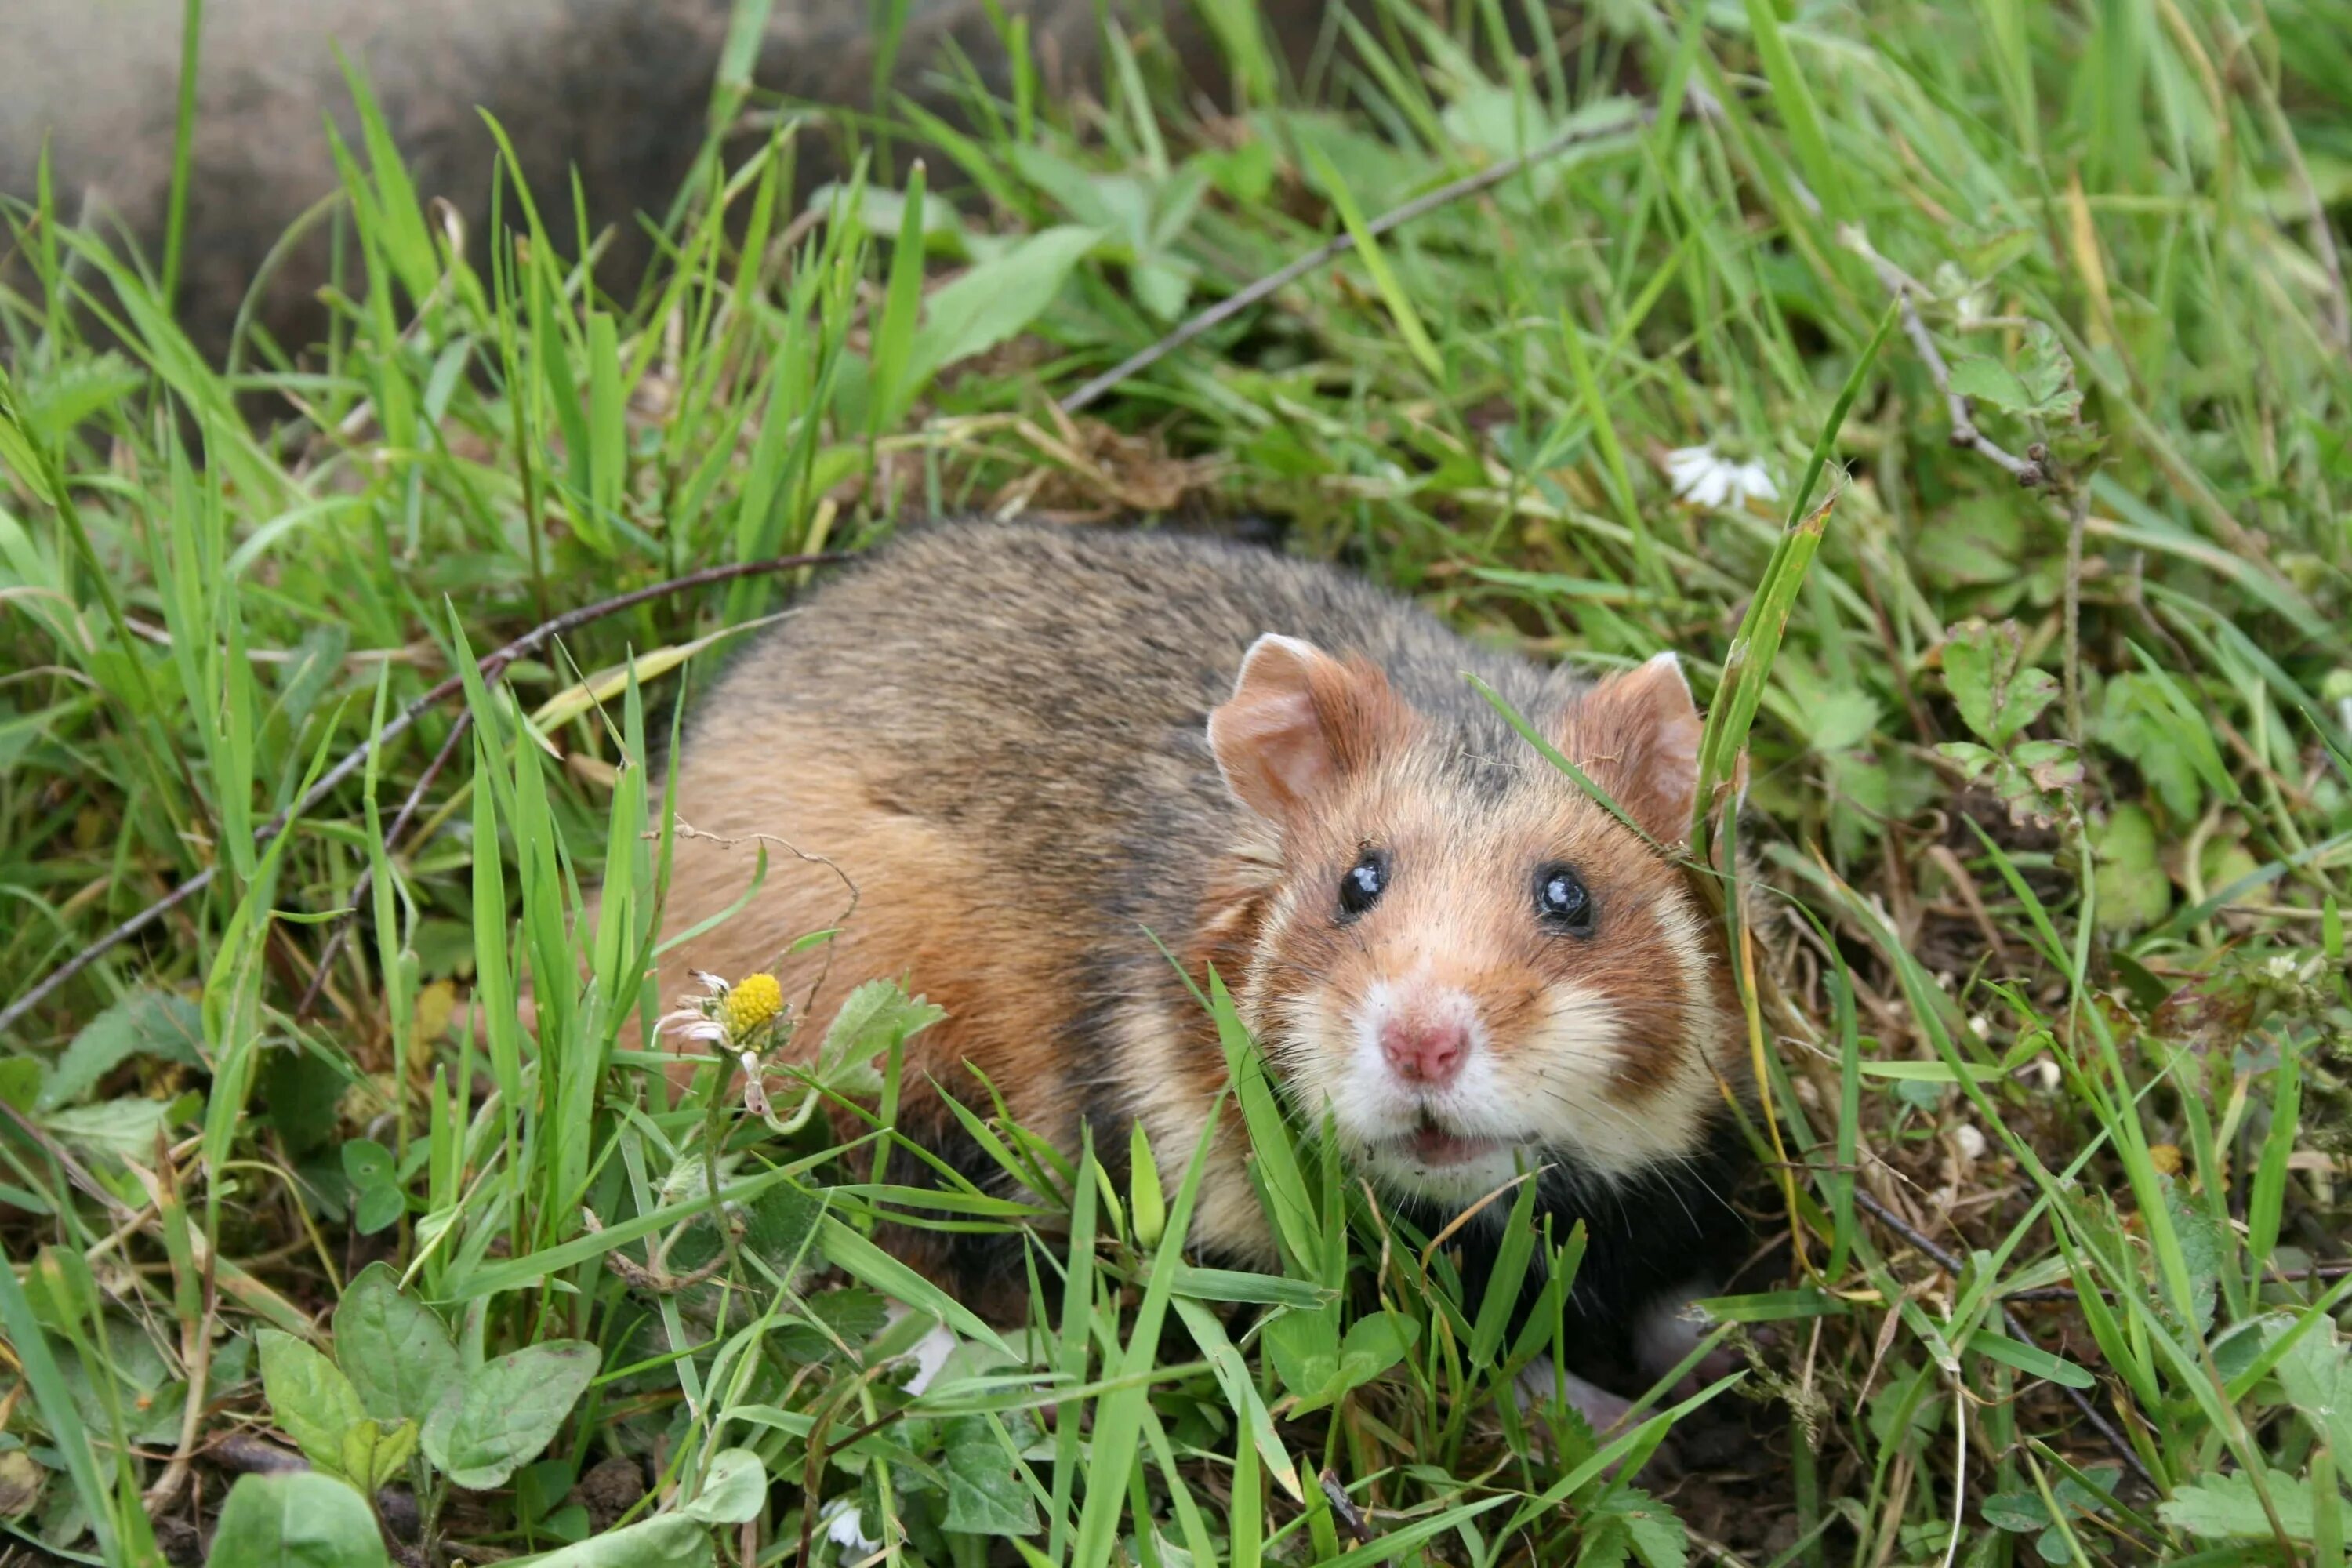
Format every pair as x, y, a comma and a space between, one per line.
1467, 961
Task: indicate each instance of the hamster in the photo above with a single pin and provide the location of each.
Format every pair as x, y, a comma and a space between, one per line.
1034, 749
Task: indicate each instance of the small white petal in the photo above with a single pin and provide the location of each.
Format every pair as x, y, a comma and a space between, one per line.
841, 1527
1970, 1139
1711, 488
931, 1354
708, 981
700, 1029
1754, 480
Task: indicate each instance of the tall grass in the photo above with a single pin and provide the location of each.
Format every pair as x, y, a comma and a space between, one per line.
2047, 818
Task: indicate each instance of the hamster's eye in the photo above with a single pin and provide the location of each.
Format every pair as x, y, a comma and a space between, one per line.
1561, 901
1361, 888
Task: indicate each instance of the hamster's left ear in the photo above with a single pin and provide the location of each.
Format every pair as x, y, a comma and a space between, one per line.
1636, 735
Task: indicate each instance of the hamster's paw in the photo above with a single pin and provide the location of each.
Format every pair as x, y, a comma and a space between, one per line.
1608, 1415
1668, 1330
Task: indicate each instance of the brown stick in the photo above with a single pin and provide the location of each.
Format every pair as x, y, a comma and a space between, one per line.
490, 666
2028, 473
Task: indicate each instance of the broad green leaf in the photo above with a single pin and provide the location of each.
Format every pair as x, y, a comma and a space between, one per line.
1997, 694
1318, 1372
20, 1081
1652, 1531
506, 1412
2203, 1247
367, 1164
2137, 721
2226, 1507
114, 1129
2133, 890
672, 1541
2020, 1512
732, 1490
1991, 382
996, 300
1373, 1345
378, 1207
1305, 1353
295, 1520
395, 1349
1841, 720
876, 1018
985, 1493
374, 1452
311, 1400
2315, 1374
143, 1024
21, 1482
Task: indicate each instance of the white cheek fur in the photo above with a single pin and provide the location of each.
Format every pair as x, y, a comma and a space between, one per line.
1552, 1092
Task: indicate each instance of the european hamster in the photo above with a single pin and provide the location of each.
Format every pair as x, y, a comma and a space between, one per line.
1036, 749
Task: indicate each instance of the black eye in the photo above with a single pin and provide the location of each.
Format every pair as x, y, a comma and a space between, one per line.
1561, 901
1361, 888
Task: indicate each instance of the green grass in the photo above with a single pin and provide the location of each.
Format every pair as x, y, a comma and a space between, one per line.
2050, 805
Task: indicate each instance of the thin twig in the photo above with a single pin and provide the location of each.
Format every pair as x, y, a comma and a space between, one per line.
491, 667
2318, 1273
1340, 245
2028, 473
1344, 1508
1952, 1265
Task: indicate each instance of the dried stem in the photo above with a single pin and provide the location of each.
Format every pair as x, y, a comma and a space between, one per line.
2078, 517
491, 667
2029, 472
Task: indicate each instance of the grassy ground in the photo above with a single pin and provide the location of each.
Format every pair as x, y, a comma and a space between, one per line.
2049, 808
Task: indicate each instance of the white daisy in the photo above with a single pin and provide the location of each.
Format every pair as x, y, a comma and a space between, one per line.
743, 1015
1704, 477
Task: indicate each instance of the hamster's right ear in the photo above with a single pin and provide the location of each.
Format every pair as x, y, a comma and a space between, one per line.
1298, 721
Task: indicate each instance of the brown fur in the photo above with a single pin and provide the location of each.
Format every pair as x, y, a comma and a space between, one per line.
1002, 736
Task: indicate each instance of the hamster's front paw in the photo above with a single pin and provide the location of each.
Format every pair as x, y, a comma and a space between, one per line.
1668, 1331
1609, 1415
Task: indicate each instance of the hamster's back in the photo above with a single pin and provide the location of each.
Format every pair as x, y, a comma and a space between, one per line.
996, 732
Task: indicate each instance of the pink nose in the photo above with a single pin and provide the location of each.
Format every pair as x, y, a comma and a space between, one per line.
1426, 1053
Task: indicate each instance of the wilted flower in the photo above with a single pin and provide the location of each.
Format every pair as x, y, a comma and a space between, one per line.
742, 1016
1704, 476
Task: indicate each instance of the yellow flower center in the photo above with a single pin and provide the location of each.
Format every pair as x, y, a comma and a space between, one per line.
754, 1001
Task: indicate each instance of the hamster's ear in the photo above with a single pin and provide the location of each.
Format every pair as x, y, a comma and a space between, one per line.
1298, 721
1637, 734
